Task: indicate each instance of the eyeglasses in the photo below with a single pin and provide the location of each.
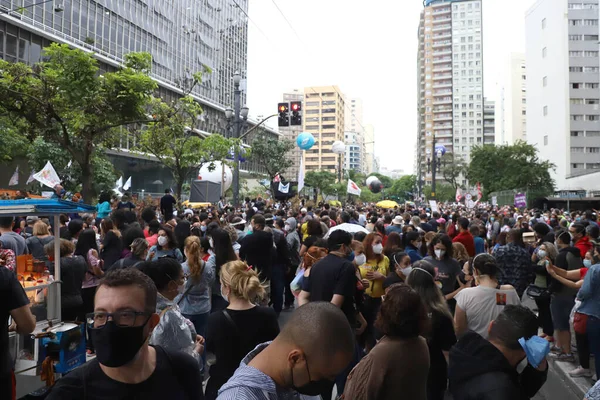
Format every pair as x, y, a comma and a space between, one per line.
124, 319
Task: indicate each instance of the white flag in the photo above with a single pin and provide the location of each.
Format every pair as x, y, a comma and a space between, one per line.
353, 188
47, 176
31, 178
119, 183
70, 163
301, 176
14, 179
127, 184
284, 188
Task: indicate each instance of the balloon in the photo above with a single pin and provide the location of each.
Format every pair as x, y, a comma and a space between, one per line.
440, 149
305, 140
371, 179
338, 147
375, 186
216, 175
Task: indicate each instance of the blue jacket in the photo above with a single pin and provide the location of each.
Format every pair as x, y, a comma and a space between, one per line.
197, 299
413, 253
589, 294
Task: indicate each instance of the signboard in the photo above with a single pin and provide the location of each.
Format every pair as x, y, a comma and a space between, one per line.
468, 197
520, 200
433, 205
494, 201
470, 204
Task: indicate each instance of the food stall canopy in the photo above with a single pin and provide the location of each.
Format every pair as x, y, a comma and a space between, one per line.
43, 207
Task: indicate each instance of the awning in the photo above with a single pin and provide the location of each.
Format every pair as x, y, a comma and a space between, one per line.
44, 207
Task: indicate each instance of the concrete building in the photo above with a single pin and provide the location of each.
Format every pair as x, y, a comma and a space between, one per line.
324, 117
369, 163
511, 108
354, 135
489, 120
291, 133
450, 79
354, 156
183, 37
563, 96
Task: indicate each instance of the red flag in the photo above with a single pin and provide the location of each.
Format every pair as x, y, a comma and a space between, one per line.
479, 192
277, 178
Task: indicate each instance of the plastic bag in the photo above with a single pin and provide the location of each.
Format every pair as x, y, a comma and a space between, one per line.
296, 284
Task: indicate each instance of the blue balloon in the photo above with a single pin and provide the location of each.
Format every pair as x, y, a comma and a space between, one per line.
305, 140
440, 149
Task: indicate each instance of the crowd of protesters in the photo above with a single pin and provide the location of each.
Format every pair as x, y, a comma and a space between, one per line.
391, 303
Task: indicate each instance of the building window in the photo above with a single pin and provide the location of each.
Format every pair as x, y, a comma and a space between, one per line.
590, 54
576, 133
577, 117
576, 85
544, 23
545, 52
593, 117
593, 149
545, 81
591, 86
592, 166
576, 149
576, 165
545, 110
575, 54
575, 69
591, 133
545, 140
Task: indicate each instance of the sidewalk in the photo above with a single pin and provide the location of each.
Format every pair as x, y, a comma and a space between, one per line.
578, 386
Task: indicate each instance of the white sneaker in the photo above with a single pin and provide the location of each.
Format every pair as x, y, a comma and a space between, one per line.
580, 371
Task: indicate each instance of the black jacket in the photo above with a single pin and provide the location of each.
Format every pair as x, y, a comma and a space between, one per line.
256, 249
479, 371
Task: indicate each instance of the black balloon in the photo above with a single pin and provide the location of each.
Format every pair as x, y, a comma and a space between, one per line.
375, 186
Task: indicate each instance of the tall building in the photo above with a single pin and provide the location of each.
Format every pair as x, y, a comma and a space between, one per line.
563, 96
489, 120
450, 80
369, 163
291, 133
354, 135
354, 156
324, 117
183, 37
511, 108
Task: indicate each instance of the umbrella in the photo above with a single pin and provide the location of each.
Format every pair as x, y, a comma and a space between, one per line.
387, 204
350, 228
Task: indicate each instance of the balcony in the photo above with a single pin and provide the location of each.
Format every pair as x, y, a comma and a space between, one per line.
442, 43
442, 85
441, 60
442, 92
445, 126
439, 77
442, 10
441, 109
442, 19
443, 68
443, 118
443, 100
444, 35
442, 27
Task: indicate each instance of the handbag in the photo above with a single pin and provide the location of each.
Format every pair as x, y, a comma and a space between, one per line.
537, 293
580, 323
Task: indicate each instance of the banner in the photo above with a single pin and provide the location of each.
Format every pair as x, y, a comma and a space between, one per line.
458, 194
14, 179
479, 192
31, 178
353, 188
433, 205
521, 200
47, 176
127, 184
494, 201
284, 188
301, 175
277, 178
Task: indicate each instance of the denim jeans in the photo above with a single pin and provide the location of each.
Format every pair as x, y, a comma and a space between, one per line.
277, 285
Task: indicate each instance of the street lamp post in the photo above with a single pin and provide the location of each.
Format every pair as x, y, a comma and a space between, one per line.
236, 119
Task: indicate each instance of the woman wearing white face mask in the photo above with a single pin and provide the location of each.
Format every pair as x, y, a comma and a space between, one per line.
400, 266
441, 257
375, 270
165, 247
233, 332
545, 255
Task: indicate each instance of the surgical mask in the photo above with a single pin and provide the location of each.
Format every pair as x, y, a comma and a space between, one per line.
211, 243
492, 219
223, 295
162, 241
542, 254
312, 388
350, 257
587, 263
360, 259
203, 228
439, 253
116, 346
418, 244
406, 271
378, 248
536, 349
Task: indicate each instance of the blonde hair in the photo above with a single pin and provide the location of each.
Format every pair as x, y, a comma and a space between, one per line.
429, 236
242, 280
192, 249
40, 228
460, 252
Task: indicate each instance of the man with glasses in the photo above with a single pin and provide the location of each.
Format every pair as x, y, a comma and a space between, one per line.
126, 366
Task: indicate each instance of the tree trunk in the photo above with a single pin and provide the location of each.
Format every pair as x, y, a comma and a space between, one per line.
88, 191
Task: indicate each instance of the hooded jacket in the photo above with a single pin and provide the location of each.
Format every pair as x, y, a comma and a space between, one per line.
248, 383
293, 241
479, 371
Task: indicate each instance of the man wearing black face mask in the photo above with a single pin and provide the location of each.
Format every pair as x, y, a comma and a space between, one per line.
126, 366
315, 345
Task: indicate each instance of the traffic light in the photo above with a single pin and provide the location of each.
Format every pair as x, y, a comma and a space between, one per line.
284, 114
296, 118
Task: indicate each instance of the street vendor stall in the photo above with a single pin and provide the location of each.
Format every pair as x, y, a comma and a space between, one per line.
61, 344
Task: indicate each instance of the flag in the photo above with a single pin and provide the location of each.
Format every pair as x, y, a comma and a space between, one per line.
301, 176
70, 163
458, 194
479, 193
119, 183
277, 178
31, 178
353, 188
127, 184
47, 176
14, 179
284, 188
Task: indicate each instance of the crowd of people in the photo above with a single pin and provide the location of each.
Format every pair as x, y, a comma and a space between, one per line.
384, 303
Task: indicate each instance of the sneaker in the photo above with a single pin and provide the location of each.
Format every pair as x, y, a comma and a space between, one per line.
555, 349
580, 371
565, 357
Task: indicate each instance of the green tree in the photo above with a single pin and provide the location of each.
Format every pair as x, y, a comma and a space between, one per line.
403, 186
14, 144
443, 192
319, 180
358, 177
66, 101
510, 167
386, 181
453, 167
272, 154
369, 197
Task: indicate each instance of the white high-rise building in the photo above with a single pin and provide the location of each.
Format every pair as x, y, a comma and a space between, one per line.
511, 107
563, 94
354, 135
450, 99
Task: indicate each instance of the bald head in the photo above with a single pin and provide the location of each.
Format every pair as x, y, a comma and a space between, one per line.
320, 329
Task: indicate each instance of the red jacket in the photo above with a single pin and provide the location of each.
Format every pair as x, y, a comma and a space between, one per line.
467, 240
584, 245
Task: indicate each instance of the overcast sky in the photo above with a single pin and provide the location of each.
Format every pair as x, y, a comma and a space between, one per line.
369, 50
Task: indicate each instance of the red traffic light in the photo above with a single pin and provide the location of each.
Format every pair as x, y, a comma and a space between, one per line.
295, 106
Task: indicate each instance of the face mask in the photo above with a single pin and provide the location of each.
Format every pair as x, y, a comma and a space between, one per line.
162, 241
542, 254
378, 248
116, 346
492, 219
203, 228
288, 228
587, 263
350, 257
211, 243
418, 244
427, 244
406, 271
360, 259
223, 295
536, 349
312, 388
439, 253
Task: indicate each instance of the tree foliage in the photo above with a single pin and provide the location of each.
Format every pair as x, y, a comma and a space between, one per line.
68, 103
403, 187
14, 144
443, 192
272, 154
319, 180
509, 167
453, 167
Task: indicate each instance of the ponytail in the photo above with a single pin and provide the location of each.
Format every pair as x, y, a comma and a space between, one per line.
192, 249
242, 280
